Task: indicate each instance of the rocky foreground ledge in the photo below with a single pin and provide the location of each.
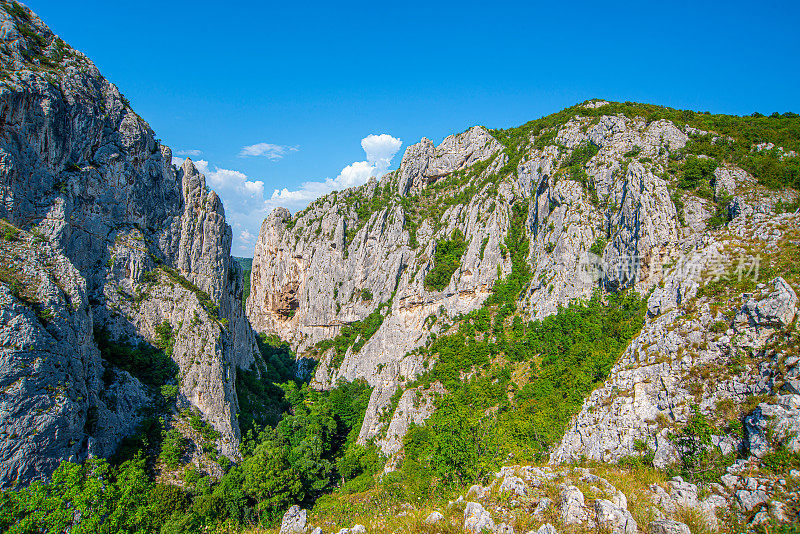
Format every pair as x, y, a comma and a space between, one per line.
548, 500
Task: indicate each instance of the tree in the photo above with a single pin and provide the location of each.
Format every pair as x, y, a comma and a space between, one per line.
270, 479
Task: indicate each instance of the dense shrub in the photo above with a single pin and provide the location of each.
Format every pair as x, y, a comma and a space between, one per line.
697, 171
173, 447
152, 366
446, 259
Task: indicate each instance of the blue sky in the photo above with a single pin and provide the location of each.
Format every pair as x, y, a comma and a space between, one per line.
303, 84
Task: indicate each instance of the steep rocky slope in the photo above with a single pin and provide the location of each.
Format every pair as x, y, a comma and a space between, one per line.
117, 247
353, 279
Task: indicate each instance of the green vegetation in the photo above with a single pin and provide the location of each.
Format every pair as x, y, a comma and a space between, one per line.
508, 290
261, 400
152, 366
700, 461
697, 175
598, 246
10, 233
173, 447
446, 260
308, 451
354, 335
782, 460
768, 166
205, 300
697, 172
564, 356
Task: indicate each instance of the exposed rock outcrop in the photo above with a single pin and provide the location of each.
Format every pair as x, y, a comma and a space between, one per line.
698, 350
600, 215
129, 243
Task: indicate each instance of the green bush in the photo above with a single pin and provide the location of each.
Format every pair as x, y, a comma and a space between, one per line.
508, 290
598, 246
151, 365
10, 233
697, 171
173, 447
446, 260
781, 461
700, 461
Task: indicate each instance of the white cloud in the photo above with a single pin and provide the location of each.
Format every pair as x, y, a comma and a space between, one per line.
246, 236
245, 203
267, 150
380, 149
193, 152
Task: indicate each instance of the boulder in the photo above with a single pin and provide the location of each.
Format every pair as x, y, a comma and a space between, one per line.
572, 506
433, 518
477, 519
542, 506
775, 309
295, 521
668, 526
750, 500
513, 484
612, 519
477, 490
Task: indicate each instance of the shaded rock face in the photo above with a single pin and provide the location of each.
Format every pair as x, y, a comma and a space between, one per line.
612, 229
83, 173
55, 404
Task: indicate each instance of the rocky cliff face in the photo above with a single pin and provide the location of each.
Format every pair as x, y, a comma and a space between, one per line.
707, 346
140, 243
599, 213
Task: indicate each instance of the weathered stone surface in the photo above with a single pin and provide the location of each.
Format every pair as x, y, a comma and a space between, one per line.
776, 309
86, 175
667, 526
749, 500
295, 521
58, 403
730, 180
414, 407
513, 484
477, 519
649, 383
572, 506
478, 491
770, 424
433, 518
547, 528
614, 519
542, 506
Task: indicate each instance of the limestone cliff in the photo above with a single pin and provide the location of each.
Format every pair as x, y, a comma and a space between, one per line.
115, 241
707, 345
599, 213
